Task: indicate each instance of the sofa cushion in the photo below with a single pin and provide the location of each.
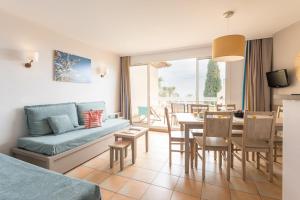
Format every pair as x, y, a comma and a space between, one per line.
55, 144
93, 119
37, 116
87, 106
60, 124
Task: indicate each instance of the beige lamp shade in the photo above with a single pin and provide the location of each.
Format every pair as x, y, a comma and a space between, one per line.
228, 48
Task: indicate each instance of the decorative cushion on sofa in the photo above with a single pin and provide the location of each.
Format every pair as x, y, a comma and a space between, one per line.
93, 118
37, 116
87, 106
60, 124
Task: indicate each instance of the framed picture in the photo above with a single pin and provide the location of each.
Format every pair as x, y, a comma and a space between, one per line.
71, 68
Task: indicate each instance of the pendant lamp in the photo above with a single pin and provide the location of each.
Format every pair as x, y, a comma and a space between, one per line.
228, 48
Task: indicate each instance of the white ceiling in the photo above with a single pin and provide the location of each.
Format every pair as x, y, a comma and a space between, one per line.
129, 27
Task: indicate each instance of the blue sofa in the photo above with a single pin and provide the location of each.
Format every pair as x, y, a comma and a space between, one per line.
65, 151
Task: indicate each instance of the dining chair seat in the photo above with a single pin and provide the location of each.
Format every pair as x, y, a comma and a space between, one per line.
197, 132
278, 139
212, 142
237, 133
261, 144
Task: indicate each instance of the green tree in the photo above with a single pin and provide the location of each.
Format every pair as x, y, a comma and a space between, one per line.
213, 80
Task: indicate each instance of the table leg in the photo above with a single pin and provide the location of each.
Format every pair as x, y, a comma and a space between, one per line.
187, 148
181, 129
111, 159
192, 153
134, 149
147, 140
121, 159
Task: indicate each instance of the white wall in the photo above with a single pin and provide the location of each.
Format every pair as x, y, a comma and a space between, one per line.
234, 72
20, 86
291, 150
286, 48
234, 83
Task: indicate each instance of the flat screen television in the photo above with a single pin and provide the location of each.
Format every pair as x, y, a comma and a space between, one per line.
278, 79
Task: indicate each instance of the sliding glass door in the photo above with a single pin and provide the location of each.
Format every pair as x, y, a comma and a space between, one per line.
139, 94
187, 81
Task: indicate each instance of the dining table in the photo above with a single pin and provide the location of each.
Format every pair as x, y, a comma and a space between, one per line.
188, 121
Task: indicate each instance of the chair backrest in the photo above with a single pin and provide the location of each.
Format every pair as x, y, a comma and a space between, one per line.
177, 107
217, 124
198, 108
279, 112
168, 120
259, 126
226, 107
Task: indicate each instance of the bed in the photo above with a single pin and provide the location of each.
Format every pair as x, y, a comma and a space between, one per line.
23, 181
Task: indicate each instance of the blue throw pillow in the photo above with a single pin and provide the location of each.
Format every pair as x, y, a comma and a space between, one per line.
60, 124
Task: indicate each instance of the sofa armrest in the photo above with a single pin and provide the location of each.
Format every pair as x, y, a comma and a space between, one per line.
115, 115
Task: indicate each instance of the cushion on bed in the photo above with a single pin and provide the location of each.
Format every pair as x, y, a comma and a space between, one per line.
23, 181
55, 144
83, 107
60, 124
37, 116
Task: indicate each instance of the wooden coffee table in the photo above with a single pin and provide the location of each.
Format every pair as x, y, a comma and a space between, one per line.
132, 134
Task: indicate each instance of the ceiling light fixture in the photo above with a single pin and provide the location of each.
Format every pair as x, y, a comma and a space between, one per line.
228, 48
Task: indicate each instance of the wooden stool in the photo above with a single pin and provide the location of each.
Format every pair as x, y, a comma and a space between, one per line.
118, 146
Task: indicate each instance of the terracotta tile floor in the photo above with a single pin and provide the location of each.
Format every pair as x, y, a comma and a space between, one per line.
151, 177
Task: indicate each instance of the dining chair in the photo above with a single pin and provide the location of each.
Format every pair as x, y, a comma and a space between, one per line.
278, 138
226, 107
176, 108
176, 138
198, 108
229, 107
216, 137
258, 135
279, 113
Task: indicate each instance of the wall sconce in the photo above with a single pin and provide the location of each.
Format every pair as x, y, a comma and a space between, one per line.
102, 71
30, 57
